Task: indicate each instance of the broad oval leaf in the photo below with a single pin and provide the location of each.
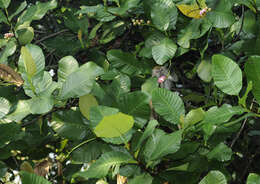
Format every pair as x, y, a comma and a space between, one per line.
204, 71
4, 3
80, 82
168, 104
67, 65
31, 60
28, 177
226, 74
253, 179
9, 132
221, 16
101, 167
215, 177
85, 103
124, 61
3, 169
252, 69
30, 66
4, 107
40, 104
135, 103
21, 111
89, 152
169, 143
164, 15
148, 131
221, 153
144, 178
114, 125
192, 11
194, 116
70, 124
164, 51
160, 144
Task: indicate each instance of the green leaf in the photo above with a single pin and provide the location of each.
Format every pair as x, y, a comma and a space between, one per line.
97, 113
27, 177
89, 152
81, 81
4, 3
69, 124
168, 104
160, 144
217, 116
164, 51
21, 7
3, 169
215, 177
67, 65
85, 103
31, 60
221, 153
226, 74
123, 139
3, 17
204, 71
120, 85
222, 16
21, 111
194, 116
253, 179
222, 114
124, 61
25, 35
135, 103
114, 125
98, 12
164, 14
8, 50
148, 131
149, 85
101, 167
252, 68
36, 12
194, 30
144, 178
40, 104
4, 107
9, 132
169, 143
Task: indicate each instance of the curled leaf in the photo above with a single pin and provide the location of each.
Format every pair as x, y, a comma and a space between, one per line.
9, 75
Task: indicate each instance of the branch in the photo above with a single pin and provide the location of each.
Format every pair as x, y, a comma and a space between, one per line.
51, 35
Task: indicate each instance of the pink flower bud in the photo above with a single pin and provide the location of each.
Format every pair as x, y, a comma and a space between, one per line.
161, 79
203, 11
8, 35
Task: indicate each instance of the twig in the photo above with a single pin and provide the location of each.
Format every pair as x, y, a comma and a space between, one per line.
51, 35
241, 129
240, 30
238, 134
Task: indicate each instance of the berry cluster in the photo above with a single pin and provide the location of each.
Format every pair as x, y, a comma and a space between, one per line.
140, 22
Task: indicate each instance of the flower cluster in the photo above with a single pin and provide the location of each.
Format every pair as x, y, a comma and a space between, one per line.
204, 11
8, 35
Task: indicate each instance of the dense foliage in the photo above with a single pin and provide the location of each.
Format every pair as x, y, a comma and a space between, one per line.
130, 91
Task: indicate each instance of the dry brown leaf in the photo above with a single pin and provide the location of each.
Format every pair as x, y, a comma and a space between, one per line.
9, 75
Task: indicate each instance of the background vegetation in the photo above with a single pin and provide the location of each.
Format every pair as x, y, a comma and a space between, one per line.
130, 91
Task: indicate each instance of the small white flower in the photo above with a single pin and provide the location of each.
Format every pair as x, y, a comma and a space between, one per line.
51, 72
